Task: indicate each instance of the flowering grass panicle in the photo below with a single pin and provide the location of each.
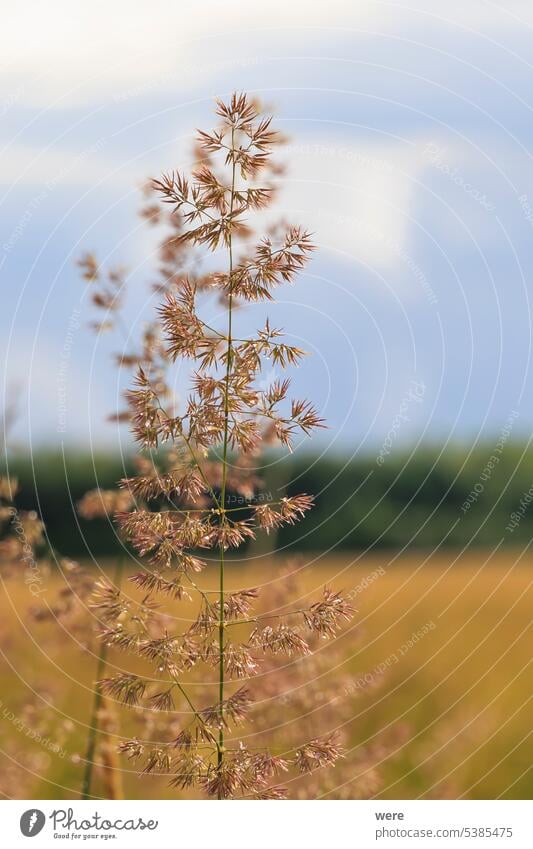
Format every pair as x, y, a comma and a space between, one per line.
195, 457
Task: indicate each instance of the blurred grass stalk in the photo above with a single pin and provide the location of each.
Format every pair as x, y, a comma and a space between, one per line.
114, 782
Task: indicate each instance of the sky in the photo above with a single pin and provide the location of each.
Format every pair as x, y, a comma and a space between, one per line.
409, 159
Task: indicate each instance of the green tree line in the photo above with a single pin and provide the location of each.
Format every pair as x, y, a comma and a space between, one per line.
425, 499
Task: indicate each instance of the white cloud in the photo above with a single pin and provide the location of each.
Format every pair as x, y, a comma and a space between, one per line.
80, 52
60, 54
356, 198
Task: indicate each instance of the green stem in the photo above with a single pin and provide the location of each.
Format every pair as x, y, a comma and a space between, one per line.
222, 624
97, 703
93, 726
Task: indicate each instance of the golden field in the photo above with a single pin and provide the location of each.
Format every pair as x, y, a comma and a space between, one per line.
450, 634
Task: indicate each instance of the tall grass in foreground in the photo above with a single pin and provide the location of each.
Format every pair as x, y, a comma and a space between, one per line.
182, 499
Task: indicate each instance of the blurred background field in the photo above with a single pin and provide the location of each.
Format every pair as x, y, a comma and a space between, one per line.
443, 640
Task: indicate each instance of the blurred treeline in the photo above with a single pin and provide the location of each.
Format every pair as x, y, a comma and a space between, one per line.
426, 499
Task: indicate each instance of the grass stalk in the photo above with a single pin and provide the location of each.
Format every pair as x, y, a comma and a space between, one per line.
97, 704
222, 624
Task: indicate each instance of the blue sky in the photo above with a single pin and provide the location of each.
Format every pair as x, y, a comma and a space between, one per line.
410, 160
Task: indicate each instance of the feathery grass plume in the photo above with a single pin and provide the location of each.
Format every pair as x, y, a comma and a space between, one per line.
195, 457
25, 547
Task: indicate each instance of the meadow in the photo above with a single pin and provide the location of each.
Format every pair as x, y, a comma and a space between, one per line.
440, 653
